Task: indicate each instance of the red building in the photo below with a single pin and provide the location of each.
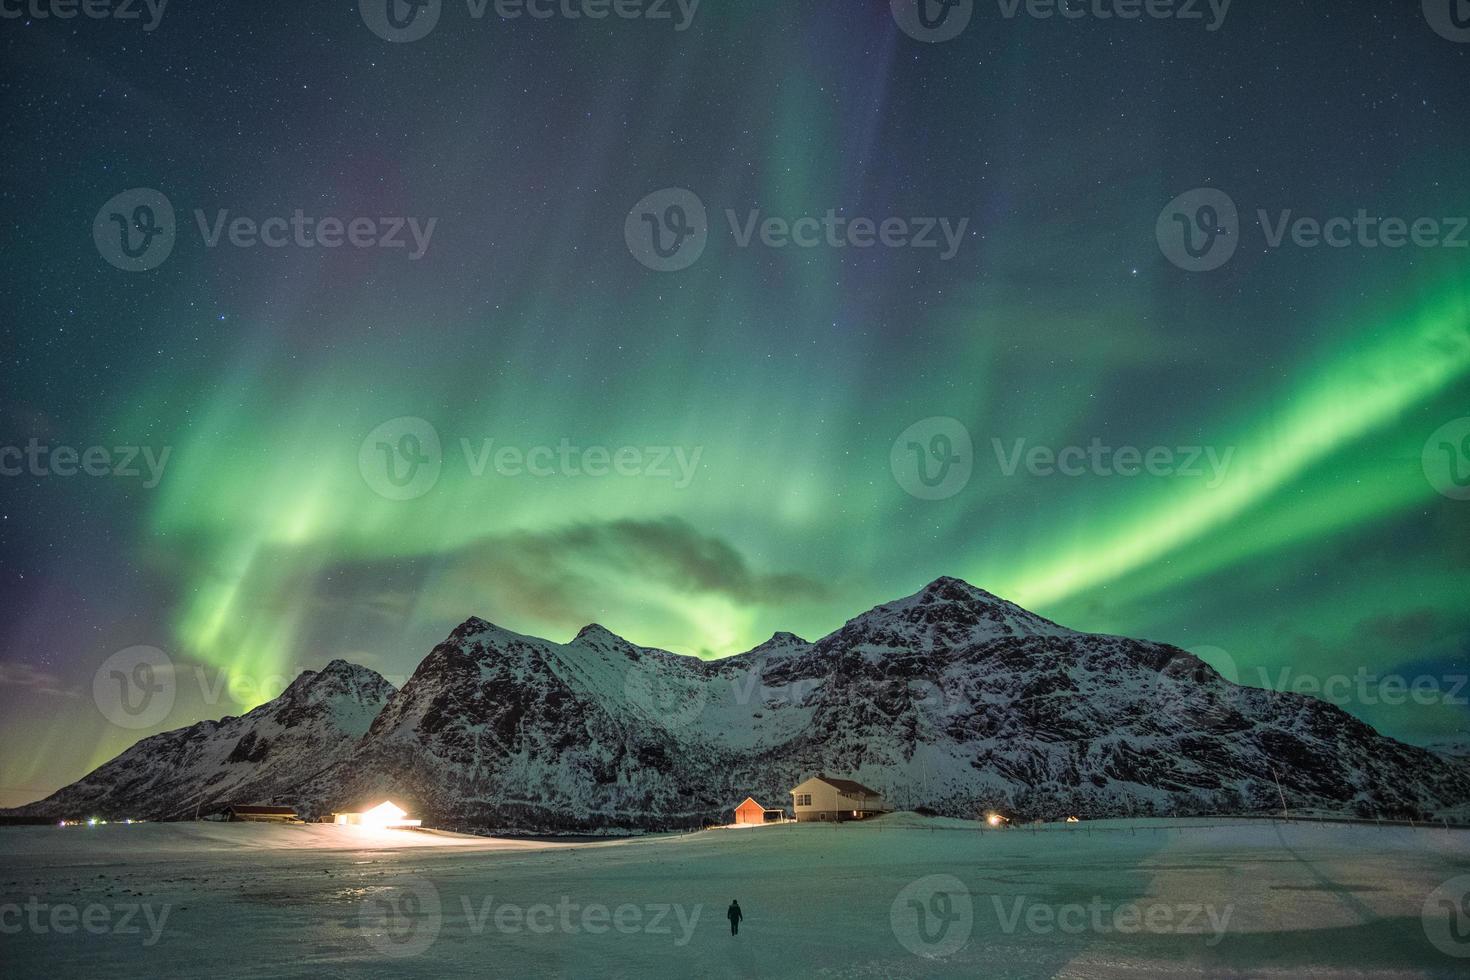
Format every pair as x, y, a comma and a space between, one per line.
752, 812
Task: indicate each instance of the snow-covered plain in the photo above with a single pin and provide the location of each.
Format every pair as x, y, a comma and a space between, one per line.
895, 897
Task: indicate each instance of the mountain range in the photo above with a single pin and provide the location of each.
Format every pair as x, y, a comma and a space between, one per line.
950, 700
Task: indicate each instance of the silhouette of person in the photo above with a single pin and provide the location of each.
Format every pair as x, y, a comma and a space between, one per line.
734, 914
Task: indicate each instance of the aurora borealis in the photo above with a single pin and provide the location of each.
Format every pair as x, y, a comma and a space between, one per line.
756, 395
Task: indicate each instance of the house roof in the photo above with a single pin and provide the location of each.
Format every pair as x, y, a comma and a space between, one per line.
849, 786
749, 799
282, 811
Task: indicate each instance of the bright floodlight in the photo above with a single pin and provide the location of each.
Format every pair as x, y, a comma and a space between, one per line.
385, 814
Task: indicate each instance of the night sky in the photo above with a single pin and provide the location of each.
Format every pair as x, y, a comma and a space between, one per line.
757, 419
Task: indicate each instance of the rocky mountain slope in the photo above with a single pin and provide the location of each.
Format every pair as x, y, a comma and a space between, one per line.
950, 699
258, 757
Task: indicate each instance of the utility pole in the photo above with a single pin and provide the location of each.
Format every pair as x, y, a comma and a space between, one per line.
1285, 814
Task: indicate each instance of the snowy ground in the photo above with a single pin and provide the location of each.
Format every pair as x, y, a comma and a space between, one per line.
899, 896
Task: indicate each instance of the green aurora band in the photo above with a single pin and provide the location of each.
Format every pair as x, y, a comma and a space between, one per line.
271, 510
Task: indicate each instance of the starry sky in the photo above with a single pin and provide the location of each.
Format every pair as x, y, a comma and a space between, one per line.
772, 404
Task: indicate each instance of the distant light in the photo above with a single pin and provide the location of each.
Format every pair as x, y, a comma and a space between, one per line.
91, 821
994, 819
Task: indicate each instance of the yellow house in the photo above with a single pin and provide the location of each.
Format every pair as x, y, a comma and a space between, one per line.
823, 798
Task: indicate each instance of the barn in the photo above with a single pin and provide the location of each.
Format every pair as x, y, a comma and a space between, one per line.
268, 814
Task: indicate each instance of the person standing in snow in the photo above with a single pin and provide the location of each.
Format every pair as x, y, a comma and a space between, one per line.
734, 914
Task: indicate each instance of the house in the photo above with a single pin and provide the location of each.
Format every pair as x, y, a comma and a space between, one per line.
268, 814
385, 814
752, 812
833, 800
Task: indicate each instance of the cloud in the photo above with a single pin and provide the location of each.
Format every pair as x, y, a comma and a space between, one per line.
1401, 631
1418, 639
668, 551
624, 569
24, 675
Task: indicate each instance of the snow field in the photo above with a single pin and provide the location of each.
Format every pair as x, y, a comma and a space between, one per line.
901, 896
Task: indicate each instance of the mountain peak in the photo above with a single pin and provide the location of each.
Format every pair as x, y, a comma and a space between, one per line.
342, 667
954, 611
781, 643
337, 675
346, 670
950, 590
949, 587
597, 633
474, 626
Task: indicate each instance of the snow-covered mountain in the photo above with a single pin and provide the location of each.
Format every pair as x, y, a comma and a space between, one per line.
950, 699
258, 757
